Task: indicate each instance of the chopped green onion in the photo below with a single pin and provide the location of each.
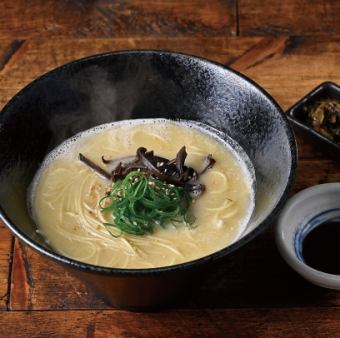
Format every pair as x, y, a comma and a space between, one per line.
138, 203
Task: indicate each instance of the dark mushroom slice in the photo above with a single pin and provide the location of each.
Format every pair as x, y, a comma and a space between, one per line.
208, 164
171, 171
180, 159
94, 166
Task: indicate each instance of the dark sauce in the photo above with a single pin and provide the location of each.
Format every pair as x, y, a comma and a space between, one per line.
321, 248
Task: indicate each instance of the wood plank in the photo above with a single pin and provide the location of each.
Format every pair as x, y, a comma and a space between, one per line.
290, 67
105, 18
5, 256
303, 17
256, 275
310, 150
41, 55
270, 61
294, 322
312, 172
242, 280
38, 283
35, 57
287, 68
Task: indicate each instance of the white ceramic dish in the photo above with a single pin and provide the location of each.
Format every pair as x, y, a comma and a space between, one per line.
302, 213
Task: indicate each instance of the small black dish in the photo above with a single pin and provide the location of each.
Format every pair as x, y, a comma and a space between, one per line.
326, 90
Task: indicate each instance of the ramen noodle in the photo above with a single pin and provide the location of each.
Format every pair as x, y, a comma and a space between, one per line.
65, 194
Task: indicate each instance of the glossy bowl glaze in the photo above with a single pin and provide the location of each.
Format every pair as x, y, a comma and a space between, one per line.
141, 84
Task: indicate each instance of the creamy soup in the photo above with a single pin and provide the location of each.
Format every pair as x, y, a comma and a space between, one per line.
65, 195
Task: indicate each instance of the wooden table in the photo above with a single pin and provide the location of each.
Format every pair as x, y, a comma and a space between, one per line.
288, 47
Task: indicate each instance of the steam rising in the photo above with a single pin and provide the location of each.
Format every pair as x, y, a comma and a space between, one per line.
105, 97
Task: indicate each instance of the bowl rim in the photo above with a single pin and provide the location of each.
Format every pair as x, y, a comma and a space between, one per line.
177, 267
313, 275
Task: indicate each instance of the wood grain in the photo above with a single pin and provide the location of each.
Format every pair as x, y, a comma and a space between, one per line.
34, 57
271, 61
312, 172
287, 68
5, 256
303, 17
288, 47
103, 18
7, 50
38, 283
242, 280
293, 322
278, 64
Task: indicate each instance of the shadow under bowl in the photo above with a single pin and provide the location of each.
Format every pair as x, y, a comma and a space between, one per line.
141, 84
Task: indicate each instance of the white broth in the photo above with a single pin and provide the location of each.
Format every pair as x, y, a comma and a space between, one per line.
65, 194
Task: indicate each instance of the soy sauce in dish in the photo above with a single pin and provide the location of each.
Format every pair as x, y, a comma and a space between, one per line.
321, 248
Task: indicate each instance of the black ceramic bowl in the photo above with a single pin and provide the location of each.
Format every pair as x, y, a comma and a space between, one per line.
297, 115
130, 85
